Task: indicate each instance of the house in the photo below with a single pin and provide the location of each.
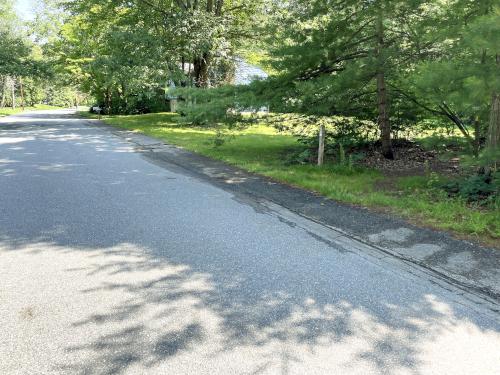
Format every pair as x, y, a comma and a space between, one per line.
246, 72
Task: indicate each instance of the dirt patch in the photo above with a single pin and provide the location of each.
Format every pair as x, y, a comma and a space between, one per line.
410, 159
28, 313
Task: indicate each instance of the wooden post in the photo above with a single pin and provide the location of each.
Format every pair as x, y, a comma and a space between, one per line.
321, 146
173, 105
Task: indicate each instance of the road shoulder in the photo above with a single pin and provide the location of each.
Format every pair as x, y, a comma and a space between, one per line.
467, 265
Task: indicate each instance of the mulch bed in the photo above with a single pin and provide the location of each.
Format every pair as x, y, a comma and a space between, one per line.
410, 159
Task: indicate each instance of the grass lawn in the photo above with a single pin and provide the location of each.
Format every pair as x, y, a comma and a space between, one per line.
4, 111
262, 150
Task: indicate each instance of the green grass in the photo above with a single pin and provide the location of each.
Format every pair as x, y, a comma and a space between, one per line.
262, 150
9, 111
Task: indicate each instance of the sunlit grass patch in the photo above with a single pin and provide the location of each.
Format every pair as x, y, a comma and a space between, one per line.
9, 111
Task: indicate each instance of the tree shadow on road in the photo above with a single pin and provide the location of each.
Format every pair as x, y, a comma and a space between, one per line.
170, 283
164, 314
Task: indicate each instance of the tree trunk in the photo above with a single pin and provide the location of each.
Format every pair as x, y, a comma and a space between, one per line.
123, 95
22, 92
383, 115
107, 99
493, 140
200, 70
201, 65
4, 86
477, 136
13, 93
218, 7
383, 118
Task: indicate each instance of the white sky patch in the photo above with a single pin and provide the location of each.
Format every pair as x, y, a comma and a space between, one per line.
26, 9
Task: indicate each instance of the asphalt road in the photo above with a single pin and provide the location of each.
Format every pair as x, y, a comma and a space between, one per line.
113, 264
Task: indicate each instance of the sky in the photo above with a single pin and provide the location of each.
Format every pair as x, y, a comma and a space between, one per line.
26, 8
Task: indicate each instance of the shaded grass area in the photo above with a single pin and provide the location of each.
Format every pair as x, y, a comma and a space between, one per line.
262, 150
9, 111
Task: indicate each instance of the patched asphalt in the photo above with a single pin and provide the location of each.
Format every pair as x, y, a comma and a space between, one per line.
119, 257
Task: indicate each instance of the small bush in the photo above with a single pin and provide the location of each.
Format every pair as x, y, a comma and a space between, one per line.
306, 156
346, 131
481, 188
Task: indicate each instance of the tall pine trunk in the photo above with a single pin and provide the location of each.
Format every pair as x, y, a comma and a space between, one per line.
383, 118
383, 115
493, 140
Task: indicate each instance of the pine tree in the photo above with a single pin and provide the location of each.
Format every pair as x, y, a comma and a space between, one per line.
462, 81
352, 52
